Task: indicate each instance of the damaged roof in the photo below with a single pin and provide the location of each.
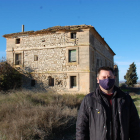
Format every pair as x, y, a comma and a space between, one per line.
50, 30
56, 29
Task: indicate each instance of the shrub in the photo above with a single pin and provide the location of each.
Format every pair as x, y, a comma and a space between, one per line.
122, 85
9, 77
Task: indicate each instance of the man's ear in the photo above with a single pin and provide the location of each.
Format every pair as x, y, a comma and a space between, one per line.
97, 80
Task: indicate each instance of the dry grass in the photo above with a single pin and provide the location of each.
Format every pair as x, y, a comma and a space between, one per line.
136, 99
33, 115
26, 115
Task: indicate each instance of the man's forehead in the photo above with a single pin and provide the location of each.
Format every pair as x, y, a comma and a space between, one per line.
102, 72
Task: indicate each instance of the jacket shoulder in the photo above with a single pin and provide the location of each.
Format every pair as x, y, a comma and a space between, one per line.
89, 96
121, 93
125, 96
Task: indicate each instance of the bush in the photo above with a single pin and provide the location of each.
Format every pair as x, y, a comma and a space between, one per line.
122, 85
9, 77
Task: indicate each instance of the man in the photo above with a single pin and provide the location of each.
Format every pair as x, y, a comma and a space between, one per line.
108, 113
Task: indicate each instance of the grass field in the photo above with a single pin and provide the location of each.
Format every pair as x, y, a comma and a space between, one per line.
33, 115
136, 99
135, 94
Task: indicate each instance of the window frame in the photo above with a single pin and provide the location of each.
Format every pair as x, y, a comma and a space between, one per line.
17, 41
20, 61
97, 62
73, 35
77, 55
69, 56
50, 83
35, 57
76, 88
73, 84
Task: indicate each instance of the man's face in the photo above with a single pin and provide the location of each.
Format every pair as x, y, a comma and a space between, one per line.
104, 74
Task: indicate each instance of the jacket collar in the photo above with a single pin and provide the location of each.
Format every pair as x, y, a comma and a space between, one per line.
117, 93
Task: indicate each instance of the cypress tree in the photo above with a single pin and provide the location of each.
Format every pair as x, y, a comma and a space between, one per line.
131, 75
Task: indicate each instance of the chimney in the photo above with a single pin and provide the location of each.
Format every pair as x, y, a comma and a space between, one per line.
22, 28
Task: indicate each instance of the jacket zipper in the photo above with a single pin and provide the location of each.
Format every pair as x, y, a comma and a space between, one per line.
119, 111
105, 128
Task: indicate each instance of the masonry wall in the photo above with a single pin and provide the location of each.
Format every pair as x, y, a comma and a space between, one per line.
52, 51
99, 56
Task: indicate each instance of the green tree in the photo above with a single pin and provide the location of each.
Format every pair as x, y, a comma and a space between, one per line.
131, 75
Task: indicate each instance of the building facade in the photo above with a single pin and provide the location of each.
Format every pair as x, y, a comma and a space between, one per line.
62, 58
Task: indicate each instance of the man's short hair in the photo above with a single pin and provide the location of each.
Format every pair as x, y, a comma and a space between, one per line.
105, 68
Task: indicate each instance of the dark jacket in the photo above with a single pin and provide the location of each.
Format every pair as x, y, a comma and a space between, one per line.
92, 117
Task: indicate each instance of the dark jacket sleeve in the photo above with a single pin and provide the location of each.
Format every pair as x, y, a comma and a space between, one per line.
82, 124
134, 132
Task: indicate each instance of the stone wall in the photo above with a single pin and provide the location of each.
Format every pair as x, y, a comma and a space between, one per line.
52, 52
99, 56
48, 60
50, 40
42, 81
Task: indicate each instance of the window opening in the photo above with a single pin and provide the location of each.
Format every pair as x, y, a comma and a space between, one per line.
93, 57
17, 59
17, 40
35, 57
72, 55
73, 35
32, 83
101, 62
97, 62
51, 81
72, 81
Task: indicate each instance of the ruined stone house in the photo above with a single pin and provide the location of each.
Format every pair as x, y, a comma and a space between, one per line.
62, 58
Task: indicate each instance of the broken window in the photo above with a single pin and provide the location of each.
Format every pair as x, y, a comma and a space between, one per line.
32, 83
72, 81
72, 55
73, 35
18, 59
35, 57
17, 40
51, 81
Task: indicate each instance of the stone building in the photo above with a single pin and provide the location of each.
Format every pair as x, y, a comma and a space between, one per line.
62, 58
